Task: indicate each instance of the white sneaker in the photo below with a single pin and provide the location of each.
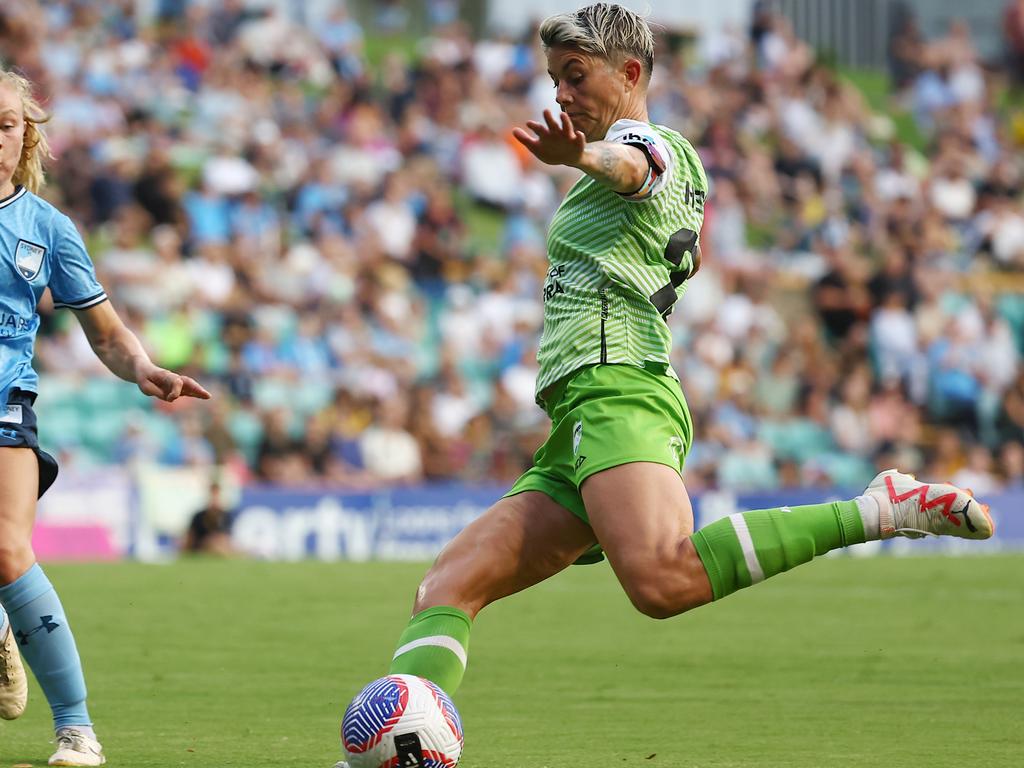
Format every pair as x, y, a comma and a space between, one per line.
77, 748
908, 507
13, 683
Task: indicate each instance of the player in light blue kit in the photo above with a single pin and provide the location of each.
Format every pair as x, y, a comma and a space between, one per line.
40, 248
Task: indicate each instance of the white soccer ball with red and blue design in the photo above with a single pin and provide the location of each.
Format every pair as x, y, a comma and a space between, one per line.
401, 721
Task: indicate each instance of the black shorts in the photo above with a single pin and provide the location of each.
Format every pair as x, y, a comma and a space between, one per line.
18, 430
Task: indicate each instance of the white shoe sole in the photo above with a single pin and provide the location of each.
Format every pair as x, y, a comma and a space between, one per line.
77, 749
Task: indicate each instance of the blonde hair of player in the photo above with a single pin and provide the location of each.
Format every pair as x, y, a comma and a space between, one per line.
602, 29
35, 148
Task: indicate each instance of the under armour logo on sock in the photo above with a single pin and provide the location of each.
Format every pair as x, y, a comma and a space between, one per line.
47, 623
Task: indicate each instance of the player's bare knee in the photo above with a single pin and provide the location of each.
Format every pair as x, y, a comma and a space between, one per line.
663, 592
431, 589
653, 605
445, 585
653, 599
16, 557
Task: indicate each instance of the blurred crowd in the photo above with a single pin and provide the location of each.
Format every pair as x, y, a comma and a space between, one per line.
348, 250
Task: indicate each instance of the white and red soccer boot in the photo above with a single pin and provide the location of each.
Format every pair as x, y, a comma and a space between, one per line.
908, 507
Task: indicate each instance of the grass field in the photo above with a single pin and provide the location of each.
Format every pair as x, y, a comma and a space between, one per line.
845, 662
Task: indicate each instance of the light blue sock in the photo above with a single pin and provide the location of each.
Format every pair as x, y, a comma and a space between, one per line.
46, 642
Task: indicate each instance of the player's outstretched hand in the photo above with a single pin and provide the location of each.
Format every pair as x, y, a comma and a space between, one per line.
168, 385
554, 142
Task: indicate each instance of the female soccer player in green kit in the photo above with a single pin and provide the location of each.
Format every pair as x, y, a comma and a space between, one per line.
609, 477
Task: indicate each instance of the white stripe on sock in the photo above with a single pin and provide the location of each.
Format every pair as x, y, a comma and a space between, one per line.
441, 641
739, 525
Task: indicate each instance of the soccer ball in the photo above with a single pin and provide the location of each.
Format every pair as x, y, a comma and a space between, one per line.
401, 721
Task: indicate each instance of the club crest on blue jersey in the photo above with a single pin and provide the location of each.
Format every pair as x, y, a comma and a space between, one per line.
29, 258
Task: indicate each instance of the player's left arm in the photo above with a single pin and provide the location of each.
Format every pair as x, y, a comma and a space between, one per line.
121, 351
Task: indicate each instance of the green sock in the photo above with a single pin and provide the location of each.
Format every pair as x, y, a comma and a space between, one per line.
434, 646
749, 547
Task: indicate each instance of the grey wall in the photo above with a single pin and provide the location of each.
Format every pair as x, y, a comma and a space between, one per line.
514, 15
984, 16
857, 31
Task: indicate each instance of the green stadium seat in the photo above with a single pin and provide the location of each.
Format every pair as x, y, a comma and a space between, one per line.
312, 395
216, 358
797, 439
742, 472
55, 390
847, 470
101, 395
60, 428
269, 393
100, 434
206, 326
162, 426
1011, 307
247, 430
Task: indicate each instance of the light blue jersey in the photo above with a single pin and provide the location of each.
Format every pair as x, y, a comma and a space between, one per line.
39, 248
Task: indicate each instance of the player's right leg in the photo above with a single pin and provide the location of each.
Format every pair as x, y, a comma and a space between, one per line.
35, 612
642, 517
746, 548
520, 541
17, 514
13, 683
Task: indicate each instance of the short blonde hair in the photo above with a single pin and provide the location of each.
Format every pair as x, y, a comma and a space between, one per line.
35, 148
602, 29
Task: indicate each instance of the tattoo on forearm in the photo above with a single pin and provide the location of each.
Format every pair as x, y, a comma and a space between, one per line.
608, 163
611, 170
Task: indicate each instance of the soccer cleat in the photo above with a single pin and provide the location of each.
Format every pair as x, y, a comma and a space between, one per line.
13, 683
342, 764
910, 508
77, 748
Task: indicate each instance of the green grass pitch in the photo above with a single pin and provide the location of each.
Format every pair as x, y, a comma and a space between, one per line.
844, 662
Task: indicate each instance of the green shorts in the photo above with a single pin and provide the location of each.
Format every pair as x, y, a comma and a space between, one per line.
603, 416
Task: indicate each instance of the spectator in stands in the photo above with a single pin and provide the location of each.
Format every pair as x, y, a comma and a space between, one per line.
209, 530
978, 473
388, 450
1013, 28
1011, 461
905, 47
280, 457
1011, 417
840, 296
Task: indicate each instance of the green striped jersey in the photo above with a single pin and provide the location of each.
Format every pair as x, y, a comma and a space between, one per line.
619, 262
